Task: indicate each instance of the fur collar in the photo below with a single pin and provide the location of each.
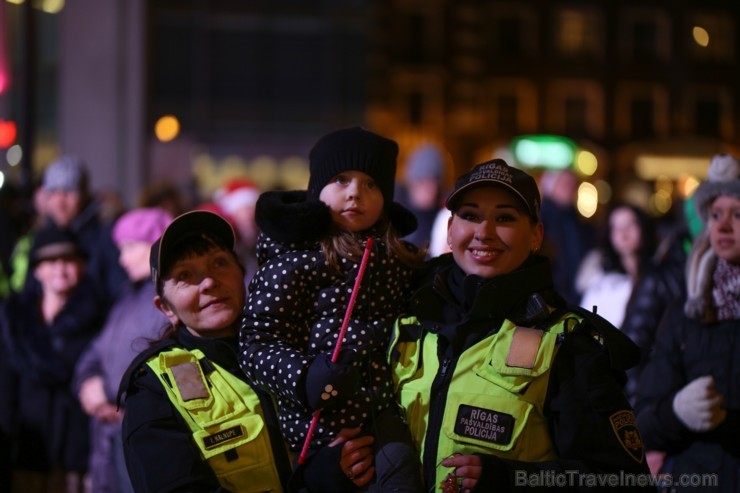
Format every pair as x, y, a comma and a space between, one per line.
291, 217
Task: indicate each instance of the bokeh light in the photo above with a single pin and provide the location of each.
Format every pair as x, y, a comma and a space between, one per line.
701, 36
588, 199
586, 163
167, 128
14, 155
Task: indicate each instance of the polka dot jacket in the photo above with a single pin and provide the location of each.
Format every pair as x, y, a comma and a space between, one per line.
294, 312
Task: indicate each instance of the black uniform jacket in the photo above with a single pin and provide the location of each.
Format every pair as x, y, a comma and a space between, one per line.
158, 445
684, 350
591, 422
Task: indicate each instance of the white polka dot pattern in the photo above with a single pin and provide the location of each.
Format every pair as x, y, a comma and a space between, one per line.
295, 310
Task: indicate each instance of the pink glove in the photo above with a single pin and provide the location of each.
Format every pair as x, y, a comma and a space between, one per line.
699, 406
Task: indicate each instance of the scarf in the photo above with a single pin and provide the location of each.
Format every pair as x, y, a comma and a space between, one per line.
726, 290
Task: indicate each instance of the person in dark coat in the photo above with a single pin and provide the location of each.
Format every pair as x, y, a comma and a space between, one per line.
688, 397
69, 205
503, 385
43, 335
192, 421
131, 325
310, 256
568, 236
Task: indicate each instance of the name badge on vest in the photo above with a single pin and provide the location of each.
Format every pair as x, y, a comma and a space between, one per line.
484, 424
223, 436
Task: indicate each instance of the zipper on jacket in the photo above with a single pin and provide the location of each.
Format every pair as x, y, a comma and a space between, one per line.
438, 398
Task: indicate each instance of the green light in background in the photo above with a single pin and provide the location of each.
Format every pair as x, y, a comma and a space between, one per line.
544, 151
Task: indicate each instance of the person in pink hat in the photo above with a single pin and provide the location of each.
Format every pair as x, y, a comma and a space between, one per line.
131, 324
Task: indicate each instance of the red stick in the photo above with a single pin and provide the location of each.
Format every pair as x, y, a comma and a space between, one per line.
338, 347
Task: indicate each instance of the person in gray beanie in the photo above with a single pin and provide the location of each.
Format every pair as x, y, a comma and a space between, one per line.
689, 394
422, 190
70, 205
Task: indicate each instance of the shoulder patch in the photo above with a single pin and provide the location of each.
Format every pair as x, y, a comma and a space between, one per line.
624, 426
189, 381
525, 345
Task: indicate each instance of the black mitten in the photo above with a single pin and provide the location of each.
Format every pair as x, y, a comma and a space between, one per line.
328, 384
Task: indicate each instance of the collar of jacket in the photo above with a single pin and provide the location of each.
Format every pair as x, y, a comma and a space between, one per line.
221, 350
291, 217
451, 297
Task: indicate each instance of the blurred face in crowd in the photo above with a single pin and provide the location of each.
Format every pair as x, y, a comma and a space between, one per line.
246, 225
491, 232
724, 228
355, 200
134, 259
424, 193
59, 275
62, 206
205, 293
624, 231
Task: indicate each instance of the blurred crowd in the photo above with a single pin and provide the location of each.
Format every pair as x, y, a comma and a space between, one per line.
76, 299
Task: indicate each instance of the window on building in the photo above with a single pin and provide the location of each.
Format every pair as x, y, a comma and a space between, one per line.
642, 114
578, 32
575, 107
576, 116
414, 37
512, 31
708, 114
506, 115
416, 108
645, 35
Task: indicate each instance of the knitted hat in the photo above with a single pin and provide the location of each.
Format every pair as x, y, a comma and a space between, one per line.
426, 162
497, 172
66, 173
353, 149
723, 178
144, 224
236, 194
52, 242
357, 149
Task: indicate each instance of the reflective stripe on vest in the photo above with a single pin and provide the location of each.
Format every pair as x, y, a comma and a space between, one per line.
225, 416
490, 407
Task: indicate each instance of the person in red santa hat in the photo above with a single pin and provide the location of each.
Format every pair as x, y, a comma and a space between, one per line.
236, 200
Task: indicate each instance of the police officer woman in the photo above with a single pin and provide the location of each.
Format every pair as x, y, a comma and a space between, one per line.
192, 422
503, 385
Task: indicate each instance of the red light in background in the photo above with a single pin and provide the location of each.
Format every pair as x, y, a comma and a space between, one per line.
8, 133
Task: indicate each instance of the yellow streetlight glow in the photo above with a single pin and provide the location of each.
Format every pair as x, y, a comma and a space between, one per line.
661, 201
586, 163
701, 36
588, 199
167, 128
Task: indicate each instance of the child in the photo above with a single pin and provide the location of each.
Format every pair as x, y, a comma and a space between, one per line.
309, 254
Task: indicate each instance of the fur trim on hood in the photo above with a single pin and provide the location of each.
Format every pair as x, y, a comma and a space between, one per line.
291, 217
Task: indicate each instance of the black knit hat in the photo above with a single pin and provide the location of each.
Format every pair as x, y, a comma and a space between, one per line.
52, 242
353, 149
357, 149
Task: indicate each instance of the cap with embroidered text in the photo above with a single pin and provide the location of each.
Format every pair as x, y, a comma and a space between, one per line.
497, 172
